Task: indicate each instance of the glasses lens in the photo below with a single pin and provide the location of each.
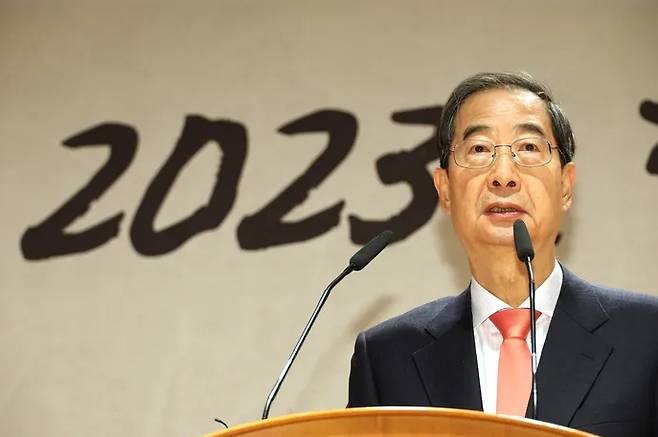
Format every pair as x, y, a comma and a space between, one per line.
474, 153
531, 151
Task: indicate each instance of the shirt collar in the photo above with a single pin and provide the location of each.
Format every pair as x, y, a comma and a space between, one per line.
484, 303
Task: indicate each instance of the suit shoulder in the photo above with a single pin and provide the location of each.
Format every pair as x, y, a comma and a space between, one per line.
616, 300
413, 321
611, 298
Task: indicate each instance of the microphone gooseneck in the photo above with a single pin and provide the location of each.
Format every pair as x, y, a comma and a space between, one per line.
358, 261
526, 253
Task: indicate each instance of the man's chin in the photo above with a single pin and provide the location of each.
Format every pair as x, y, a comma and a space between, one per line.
499, 236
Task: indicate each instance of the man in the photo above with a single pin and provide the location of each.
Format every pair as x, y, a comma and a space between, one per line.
506, 152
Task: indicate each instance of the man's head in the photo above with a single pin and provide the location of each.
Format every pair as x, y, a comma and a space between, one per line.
488, 81
484, 198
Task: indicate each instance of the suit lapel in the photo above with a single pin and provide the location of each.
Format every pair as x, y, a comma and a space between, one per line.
448, 364
572, 356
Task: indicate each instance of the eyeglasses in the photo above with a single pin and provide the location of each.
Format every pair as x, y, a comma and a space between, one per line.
526, 152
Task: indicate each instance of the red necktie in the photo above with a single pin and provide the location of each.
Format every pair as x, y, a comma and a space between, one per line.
514, 366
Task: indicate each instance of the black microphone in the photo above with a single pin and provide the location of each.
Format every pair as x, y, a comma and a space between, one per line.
357, 262
526, 253
522, 242
361, 259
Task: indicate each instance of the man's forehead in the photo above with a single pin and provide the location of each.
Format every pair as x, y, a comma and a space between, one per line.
520, 110
528, 127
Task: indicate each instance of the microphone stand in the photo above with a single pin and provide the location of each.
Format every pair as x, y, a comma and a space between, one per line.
533, 334
525, 253
358, 261
325, 294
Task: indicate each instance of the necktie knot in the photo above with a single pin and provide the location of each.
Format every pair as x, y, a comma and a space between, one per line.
513, 322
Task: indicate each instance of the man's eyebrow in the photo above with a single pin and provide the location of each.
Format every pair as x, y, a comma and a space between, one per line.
530, 127
475, 129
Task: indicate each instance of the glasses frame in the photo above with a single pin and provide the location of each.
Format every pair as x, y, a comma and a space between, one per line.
512, 154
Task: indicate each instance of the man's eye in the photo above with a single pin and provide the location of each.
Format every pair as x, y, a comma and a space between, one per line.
528, 146
479, 149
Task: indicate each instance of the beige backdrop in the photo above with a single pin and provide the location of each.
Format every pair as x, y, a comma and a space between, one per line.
112, 343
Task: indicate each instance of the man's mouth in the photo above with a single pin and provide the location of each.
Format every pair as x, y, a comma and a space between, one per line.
499, 209
504, 210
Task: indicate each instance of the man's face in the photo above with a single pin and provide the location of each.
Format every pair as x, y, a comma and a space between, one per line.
474, 197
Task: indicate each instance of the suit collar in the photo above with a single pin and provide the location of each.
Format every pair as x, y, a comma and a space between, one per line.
573, 355
447, 365
581, 302
456, 311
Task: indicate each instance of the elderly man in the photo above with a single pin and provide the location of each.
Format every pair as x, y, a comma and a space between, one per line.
506, 152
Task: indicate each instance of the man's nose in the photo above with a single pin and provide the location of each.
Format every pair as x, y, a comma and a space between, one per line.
504, 171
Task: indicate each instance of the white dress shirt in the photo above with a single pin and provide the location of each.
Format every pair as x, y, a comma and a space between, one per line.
487, 338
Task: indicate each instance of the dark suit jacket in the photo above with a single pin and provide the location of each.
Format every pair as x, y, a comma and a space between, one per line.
598, 369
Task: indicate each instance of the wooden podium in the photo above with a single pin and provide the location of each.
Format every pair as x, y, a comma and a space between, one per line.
397, 422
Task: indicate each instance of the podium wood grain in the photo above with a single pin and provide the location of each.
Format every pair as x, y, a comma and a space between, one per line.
397, 422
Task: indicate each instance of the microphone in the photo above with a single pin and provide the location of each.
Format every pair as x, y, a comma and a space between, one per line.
522, 242
526, 253
358, 261
361, 259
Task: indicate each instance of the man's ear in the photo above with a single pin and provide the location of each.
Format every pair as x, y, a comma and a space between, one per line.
568, 182
442, 185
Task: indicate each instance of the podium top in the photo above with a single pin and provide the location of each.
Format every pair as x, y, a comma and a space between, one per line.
398, 422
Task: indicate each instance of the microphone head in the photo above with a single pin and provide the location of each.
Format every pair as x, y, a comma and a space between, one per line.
522, 242
372, 248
